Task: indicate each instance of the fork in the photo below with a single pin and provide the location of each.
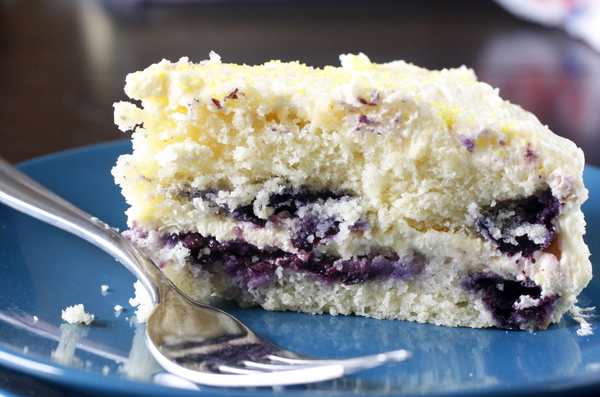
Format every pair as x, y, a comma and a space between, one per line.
189, 339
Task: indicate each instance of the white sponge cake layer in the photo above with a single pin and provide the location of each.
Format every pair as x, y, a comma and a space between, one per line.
366, 160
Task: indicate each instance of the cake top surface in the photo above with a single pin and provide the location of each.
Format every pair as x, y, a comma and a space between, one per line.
452, 93
225, 108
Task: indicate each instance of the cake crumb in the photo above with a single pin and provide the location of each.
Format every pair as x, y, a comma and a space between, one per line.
76, 314
118, 310
580, 315
142, 301
104, 289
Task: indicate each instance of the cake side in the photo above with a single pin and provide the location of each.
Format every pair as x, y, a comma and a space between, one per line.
365, 183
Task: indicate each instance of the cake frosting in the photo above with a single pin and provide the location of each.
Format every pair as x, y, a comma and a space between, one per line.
381, 190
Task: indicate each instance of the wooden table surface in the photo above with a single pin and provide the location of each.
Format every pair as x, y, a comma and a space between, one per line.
63, 62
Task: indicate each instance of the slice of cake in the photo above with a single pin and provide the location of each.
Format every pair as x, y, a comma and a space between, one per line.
381, 190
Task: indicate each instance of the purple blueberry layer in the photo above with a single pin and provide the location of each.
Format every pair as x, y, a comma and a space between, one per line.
311, 227
501, 295
251, 267
242, 213
310, 230
289, 202
540, 208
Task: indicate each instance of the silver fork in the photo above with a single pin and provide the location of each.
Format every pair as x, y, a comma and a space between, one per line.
189, 339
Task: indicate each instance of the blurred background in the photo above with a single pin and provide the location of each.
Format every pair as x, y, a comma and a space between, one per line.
63, 62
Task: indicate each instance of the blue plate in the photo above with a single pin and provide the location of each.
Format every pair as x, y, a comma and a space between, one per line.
43, 270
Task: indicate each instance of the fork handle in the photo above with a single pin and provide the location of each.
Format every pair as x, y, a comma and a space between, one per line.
22, 193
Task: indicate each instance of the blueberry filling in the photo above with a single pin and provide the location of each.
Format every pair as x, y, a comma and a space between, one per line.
243, 213
250, 267
501, 297
363, 268
311, 228
290, 200
521, 226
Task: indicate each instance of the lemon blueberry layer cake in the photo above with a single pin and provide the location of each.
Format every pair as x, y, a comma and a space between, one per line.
382, 190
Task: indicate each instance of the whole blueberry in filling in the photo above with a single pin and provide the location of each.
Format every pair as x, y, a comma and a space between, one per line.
502, 298
251, 267
521, 226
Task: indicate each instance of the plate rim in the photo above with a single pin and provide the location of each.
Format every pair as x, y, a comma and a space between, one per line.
93, 382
